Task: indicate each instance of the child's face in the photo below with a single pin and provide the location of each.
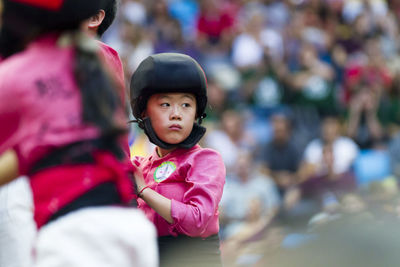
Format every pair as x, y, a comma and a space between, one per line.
172, 115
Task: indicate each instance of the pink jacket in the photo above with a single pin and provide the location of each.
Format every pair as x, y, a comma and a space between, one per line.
40, 104
40, 110
193, 179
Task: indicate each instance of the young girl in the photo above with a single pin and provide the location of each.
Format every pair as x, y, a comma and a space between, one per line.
61, 125
180, 185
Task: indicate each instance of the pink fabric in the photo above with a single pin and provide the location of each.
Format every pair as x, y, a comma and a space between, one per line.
195, 188
40, 110
43, 104
40, 106
113, 66
214, 26
356, 75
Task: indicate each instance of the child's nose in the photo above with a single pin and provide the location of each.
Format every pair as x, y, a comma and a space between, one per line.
176, 113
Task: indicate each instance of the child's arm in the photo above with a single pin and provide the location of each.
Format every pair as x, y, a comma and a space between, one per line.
8, 167
191, 216
197, 213
157, 202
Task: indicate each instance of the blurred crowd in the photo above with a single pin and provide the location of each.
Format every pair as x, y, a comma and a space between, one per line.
304, 107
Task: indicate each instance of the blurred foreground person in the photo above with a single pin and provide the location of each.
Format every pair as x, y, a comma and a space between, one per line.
63, 123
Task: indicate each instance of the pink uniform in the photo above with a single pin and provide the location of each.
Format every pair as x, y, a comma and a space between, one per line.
41, 112
193, 179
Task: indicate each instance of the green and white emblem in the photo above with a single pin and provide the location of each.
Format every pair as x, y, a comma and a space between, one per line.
164, 171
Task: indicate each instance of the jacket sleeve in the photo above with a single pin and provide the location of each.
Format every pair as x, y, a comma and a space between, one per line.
199, 208
10, 115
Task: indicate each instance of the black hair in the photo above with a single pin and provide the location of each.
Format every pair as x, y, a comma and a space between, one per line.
11, 42
99, 97
23, 21
110, 9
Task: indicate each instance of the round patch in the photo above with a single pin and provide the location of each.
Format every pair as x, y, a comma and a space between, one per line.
163, 171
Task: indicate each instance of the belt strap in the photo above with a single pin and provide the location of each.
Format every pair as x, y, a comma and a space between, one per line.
102, 195
77, 153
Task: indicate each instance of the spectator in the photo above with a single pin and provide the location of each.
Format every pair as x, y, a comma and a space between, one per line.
257, 199
230, 138
312, 83
250, 46
281, 158
214, 27
327, 163
249, 203
367, 84
186, 12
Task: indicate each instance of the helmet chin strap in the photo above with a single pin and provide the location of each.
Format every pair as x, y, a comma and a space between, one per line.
194, 137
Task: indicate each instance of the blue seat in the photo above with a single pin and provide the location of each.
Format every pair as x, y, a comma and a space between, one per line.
372, 165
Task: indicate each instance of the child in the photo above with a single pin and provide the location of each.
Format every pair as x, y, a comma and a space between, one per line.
17, 227
61, 127
180, 185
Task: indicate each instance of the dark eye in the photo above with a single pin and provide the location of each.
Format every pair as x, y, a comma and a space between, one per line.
164, 104
186, 105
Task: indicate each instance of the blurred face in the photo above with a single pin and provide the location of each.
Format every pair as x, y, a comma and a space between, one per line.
308, 56
232, 124
330, 129
172, 115
244, 166
361, 24
281, 129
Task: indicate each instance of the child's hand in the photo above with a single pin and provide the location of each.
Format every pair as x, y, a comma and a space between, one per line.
138, 174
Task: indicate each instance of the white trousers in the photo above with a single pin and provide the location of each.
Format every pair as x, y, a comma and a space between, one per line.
98, 237
17, 228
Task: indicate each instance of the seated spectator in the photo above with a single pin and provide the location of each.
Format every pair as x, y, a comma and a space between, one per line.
230, 138
366, 85
217, 100
327, 164
249, 196
358, 30
281, 157
311, 84
215, 27
256, 41
186, 12
166, 31
249, 203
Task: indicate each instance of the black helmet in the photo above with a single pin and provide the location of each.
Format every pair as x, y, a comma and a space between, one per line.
23, 20
50, 14
168, 73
